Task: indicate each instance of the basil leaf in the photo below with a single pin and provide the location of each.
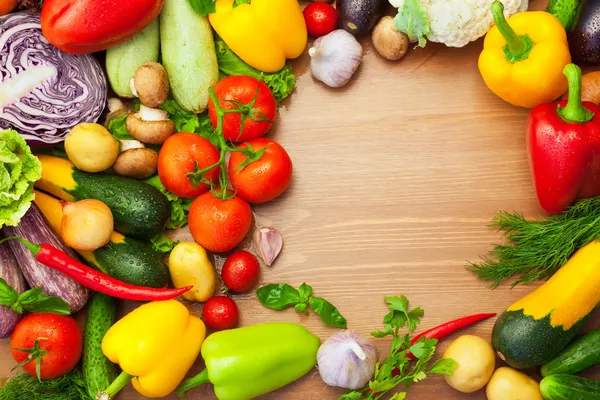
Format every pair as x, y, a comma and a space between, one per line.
203, 7
278, 296
35, 300
328, 313
8, 295
305, 293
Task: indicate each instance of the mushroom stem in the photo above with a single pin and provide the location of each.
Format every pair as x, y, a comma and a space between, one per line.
152, 114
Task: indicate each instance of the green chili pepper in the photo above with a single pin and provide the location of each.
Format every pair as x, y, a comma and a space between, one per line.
247, 362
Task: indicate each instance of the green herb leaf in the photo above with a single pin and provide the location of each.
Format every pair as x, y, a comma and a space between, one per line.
305, 293
163, 244
444, 366
180, 207
422, 347
8, 295
398, 396
35, 300
118, 128
278, 296
413, 21
351, 396
71, 386
328, 313
203, 7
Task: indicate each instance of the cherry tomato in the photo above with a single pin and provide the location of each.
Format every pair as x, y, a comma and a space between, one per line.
184, 153
243, 89
241, 271
59, 343
264, 179
220, 313
320, 18
219, 225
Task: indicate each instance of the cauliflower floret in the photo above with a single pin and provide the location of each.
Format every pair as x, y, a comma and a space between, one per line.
455, 23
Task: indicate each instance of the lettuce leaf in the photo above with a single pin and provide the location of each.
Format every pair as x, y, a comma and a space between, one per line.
186, 121
19, 169
163, 244
118, 129
413, 21
281, 83
180, 207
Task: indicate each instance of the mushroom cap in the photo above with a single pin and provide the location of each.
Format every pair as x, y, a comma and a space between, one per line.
151, 132
140, 163
151, 84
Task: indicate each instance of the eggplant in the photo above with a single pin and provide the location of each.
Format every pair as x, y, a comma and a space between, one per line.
10, 272
359, 16
33, 227
584, 38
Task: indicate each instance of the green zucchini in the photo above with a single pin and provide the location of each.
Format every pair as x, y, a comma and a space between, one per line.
579, 355
569, 387
98, 371
536, 328
565, 11
188, 54
139, 209
124, 59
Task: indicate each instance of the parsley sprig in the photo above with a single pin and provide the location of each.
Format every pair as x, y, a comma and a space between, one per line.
398, 368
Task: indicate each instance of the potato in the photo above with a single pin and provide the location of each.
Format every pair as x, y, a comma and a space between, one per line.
476, 362
189, 266
91, 147
509, 384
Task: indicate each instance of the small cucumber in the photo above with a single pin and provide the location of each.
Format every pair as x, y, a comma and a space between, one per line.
98, 371
569, 387
124, 59
565, 11
579, 355
188, 54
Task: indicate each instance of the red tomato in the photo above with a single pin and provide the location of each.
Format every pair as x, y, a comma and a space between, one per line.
7, 6
220, 313
182, 154
241, 271
219, 225
243, 89
320, 18
264, 179
59, 339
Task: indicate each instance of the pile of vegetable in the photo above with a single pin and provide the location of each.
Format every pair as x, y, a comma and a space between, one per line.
86, 210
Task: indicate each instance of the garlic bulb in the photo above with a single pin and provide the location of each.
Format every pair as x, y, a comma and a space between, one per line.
347, 360
86, 224
335, 57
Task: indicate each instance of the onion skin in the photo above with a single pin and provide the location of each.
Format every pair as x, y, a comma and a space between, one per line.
87, 224
75, 93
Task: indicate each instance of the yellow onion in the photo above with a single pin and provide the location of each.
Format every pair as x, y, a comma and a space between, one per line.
86, 224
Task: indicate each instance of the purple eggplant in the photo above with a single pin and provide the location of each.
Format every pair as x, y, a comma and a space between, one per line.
10, 272
584, 38
33, 227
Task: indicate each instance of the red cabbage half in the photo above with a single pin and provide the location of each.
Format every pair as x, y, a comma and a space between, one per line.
45, 92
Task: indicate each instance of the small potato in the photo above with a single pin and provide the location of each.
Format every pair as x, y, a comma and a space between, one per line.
189, 266
91, 147
476, 362
509, 384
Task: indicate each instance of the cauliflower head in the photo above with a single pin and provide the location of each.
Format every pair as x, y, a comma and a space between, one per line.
454, 23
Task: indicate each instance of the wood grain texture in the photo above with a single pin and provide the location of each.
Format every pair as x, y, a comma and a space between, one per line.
395, 179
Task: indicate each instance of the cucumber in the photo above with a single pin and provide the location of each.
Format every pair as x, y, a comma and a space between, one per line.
579, 355
124, 59
98, 371
565, 11
569, 387
188, 54
139, 209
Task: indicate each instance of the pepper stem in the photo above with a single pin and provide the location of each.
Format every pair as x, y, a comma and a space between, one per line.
574, 111
33, 247
517, 47
191, 383
115, 387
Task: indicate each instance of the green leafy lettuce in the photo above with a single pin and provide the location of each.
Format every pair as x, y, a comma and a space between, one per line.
413, 21
281, 83
163, 244
19, 169
118, 128
179, 206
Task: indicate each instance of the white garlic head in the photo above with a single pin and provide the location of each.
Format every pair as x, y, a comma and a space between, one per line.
335, 57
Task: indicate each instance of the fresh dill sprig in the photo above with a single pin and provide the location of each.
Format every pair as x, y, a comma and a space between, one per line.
536, 249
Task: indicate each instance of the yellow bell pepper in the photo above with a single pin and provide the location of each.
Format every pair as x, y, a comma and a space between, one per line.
523, 58
263, 33
155, 345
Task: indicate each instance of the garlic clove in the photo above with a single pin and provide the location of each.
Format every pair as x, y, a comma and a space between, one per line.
268, 243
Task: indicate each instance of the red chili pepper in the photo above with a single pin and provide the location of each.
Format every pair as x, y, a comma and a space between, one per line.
448, 328
92, 279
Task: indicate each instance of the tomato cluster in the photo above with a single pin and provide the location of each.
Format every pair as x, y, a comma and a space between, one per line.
259, 169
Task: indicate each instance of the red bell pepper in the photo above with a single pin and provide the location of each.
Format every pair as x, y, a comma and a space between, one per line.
87, 26
563, 142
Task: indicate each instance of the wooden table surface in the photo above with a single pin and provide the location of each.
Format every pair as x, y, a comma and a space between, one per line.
395, 179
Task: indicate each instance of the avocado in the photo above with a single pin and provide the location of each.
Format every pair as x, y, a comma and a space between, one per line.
359, 16
584, 39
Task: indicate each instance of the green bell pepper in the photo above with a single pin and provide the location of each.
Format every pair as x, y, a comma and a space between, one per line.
248, 362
